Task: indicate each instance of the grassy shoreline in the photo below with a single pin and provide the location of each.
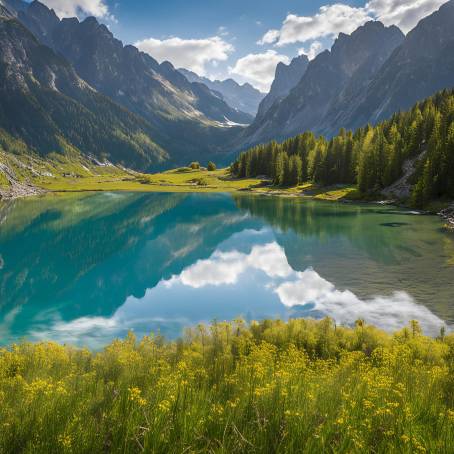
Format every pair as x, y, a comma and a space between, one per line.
188, 180
185, 179
301, 386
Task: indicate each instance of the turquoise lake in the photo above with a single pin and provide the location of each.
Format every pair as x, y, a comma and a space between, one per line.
85, 269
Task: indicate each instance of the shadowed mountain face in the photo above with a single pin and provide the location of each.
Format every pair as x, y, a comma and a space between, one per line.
4, 12
157, 93
107, 98
14, 6
421, 66
244, 97
330, 80
46, 104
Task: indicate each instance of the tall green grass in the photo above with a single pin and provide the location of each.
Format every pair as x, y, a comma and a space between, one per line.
301, 386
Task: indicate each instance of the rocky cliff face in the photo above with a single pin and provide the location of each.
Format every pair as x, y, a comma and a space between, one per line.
331, 81
365, 78
244, 97
421, 66
4, 11
14, 6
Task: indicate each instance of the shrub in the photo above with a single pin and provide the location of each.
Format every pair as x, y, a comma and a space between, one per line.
200, 181
194, 165
211, 166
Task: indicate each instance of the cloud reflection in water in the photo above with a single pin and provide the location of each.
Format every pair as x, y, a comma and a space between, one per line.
256, 283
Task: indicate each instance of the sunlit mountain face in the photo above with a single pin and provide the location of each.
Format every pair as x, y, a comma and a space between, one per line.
85, 270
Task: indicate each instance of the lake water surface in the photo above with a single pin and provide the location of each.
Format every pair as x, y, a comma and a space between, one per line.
84, 269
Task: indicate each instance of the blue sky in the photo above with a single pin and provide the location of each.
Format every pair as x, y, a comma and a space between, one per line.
242, 39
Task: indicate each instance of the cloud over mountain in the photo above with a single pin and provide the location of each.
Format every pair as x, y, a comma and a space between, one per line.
73, 8
403, 13
191, 54
259, 69
330, 20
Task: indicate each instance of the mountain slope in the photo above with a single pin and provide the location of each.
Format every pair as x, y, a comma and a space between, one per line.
329, 79
46, 104
422, 65
244, 97
156, 92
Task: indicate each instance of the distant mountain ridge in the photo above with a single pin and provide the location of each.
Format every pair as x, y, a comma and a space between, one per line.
146, 114
366, 77
156, 92
421, 66
244, 97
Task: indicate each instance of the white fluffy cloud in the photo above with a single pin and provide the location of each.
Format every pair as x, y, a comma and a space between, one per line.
314, 49
259, 69
269, 37
403, 13
330, 20
191, 54
75, 8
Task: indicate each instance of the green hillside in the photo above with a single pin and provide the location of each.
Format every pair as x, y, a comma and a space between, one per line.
45, 105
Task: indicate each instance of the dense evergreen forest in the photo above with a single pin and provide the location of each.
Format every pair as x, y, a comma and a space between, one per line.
372, 157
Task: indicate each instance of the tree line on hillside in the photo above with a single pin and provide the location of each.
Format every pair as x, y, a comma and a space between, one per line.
372, 157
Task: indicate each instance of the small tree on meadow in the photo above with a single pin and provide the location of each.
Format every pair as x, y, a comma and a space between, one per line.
194, 165
211, 166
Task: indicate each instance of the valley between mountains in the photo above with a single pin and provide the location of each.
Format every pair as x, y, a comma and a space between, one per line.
81, 111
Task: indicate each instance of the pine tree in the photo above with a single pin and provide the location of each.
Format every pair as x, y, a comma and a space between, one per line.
295, 165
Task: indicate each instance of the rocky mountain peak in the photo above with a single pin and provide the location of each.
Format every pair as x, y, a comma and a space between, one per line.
91, 21
433, 32
40, 20
285, 79
42, 13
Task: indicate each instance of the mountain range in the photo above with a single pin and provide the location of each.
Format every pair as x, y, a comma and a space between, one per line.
50, 108
366, 77
70, 86
161, 98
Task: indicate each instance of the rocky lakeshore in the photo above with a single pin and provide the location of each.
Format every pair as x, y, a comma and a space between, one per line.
448, 215
17, 190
